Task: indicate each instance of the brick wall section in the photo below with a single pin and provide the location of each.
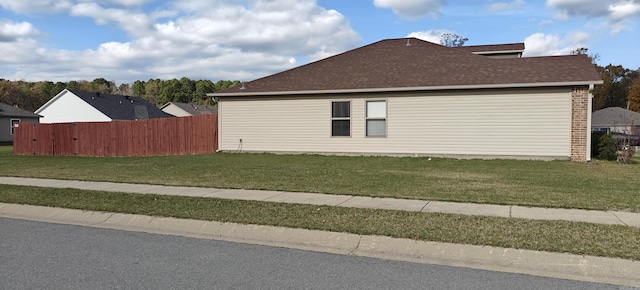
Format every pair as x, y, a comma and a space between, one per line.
579, 124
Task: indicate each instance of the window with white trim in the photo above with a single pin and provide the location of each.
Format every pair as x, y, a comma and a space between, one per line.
14, 122
341, 118
377, 118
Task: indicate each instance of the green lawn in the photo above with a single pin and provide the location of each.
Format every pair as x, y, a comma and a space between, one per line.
553, 236
601, 185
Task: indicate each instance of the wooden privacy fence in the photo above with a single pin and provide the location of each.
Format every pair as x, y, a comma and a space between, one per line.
165, 136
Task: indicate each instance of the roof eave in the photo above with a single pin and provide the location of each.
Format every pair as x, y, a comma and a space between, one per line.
498, 51
407, 89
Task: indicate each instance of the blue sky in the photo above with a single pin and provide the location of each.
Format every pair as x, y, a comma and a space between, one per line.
128, 40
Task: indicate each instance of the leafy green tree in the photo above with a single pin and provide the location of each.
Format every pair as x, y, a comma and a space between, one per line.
634, 96
59, 87
222, 84
203, 87
10, 93
188, 90
152, 90
73, 85
617, 83
137, 89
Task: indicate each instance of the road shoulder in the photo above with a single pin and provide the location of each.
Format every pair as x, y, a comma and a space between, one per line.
556, 265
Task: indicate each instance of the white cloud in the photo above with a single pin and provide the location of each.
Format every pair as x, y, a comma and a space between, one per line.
588, 8
502, 6
198, 39
540, 44
433, 35
134, 23
613, 9
412, 8
618, 12
129, 3
40, 6
12, 32
623, 10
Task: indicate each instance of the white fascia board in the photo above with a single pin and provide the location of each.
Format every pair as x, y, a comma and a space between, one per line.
166, 105
408, 89
51, 101
499, 51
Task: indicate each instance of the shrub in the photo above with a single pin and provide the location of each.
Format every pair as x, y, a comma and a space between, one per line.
607, 147
595, 140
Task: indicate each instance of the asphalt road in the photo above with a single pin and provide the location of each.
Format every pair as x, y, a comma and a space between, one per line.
36, 255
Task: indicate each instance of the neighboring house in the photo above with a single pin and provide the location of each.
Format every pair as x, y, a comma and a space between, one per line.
186, 110
10, 117
78, 106
615, 119
412, 97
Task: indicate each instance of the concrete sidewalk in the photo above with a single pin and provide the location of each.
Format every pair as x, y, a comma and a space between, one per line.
557, 265
507, 211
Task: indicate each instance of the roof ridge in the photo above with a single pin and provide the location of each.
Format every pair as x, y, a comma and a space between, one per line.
411, 63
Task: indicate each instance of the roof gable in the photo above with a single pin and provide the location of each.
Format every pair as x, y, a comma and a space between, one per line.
118, 107
193, 109
11, 111
410, 63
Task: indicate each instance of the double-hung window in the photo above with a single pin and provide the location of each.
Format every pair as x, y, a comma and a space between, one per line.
376, 118
341, 118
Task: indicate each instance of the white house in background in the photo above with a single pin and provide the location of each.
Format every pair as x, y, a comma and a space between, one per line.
412, 97
615, 119
78, 106
10, 117
186, 110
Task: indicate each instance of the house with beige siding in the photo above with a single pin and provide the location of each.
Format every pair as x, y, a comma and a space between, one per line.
412, 97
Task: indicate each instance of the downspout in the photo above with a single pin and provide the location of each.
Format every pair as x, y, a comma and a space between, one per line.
589, 108
218, 122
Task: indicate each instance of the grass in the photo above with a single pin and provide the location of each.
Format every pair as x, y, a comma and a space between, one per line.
554, 236
601, 185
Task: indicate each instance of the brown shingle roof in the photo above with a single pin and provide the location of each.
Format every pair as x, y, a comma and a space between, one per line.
493, 47
392, 64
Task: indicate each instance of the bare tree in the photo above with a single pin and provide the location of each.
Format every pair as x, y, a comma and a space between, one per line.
452, 40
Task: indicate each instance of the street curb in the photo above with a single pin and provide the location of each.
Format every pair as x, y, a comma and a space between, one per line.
556, 265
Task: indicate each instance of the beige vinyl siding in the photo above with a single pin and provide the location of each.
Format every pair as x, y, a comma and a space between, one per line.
533, 123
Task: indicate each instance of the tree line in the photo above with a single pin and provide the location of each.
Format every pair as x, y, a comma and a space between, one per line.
620, 87
32, 95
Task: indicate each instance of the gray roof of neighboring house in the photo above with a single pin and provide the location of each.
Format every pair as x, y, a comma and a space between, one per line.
11, 111
118, 107
194, 109
614, 116
414, 64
